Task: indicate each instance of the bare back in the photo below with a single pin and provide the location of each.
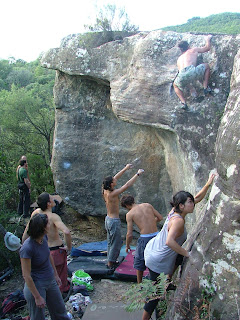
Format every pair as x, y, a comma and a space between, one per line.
187, 59
145, 217
112, 203
53, 234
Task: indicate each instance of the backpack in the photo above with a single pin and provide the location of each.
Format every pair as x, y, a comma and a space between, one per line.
14, 301
80, 277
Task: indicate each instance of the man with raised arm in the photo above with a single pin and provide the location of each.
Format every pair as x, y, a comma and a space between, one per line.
146, 218
112, 220
164, 253
57, 249
188, 71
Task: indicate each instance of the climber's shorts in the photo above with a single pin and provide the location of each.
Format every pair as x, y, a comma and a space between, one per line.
189, 74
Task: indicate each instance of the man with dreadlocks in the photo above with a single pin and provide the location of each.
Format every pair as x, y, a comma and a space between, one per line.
112, 220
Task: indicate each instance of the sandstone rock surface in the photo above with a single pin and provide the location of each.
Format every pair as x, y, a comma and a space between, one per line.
113, 106
215, 241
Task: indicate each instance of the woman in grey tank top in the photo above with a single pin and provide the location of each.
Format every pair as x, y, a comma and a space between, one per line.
164, 253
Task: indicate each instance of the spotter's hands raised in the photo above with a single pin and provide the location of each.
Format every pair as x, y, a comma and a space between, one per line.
140, 171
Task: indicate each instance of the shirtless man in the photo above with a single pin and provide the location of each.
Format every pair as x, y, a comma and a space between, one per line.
112, 220
146, 218
188, 71
57, 250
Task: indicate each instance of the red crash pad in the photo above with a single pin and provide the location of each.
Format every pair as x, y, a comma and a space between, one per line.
125, 270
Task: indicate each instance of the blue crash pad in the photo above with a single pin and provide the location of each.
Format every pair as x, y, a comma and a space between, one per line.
98, 248
123, 252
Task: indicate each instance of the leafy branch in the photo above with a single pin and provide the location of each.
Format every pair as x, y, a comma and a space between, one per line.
146, 291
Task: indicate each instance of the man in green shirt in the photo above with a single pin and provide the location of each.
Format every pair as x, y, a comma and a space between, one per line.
24, 186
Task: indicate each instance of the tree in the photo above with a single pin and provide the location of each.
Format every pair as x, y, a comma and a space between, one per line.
8, 188
26, 127
5, 70
28, 120
20, 77
193, 19
112, 18
227, 23
111, 23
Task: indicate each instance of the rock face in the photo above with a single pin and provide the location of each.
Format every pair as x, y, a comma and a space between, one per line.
113, 106
214, 264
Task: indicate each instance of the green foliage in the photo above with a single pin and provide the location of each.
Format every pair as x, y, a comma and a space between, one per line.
112, 18
209, 289
201, 309
11, 256
226, 23
40, 176
20, 77
207, 294
162, 308
112, 23
8, 188
148, 290
26, 128
5, 70
193, 19
33, 121
8, 204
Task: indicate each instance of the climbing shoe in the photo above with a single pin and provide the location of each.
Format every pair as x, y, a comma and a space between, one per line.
170, 285
184, 106
207, 91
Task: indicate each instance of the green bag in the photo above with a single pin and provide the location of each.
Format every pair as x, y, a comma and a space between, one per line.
80, 277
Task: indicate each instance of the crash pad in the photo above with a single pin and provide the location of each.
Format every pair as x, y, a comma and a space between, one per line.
125, 270
123, 252
93, 265
98, 248
109, 311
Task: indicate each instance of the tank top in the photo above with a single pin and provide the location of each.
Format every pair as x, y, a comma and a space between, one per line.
157, 255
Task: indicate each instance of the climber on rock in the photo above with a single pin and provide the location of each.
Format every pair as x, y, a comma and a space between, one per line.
164, 253
188, 71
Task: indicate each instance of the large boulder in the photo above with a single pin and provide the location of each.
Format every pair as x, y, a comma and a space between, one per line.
113, 106
211, 278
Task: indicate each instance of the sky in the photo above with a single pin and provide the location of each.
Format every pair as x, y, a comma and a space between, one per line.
31, 27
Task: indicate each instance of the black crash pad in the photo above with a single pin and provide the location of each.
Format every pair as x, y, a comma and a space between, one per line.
93, 265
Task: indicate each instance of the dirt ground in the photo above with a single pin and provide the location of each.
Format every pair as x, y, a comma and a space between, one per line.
83, 229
